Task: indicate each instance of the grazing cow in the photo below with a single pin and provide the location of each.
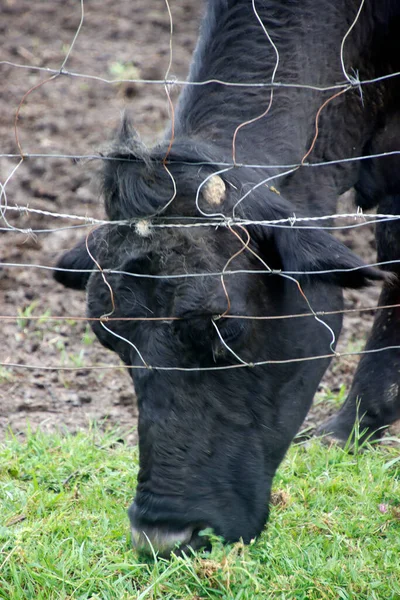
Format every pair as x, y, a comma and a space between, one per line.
214, 424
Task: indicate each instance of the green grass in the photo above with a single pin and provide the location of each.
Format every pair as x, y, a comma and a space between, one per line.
124, 70
6, 375
334, 532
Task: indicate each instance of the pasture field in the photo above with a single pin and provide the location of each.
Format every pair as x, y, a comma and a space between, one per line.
334, 529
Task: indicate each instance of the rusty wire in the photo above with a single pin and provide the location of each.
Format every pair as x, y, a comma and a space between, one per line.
338, 89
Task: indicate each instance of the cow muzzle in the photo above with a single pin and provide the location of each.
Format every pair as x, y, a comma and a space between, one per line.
162, 539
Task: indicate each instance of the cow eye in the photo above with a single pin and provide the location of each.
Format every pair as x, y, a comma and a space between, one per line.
230, 329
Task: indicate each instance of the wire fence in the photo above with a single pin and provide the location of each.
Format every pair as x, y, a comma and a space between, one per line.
235, 224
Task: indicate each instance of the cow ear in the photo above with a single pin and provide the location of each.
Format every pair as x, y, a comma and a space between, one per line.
306, 251
125, 173
74, 267
303, 251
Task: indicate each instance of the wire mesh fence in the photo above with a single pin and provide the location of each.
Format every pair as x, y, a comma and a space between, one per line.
49, 98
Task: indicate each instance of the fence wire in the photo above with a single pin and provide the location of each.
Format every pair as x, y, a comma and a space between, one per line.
234, 224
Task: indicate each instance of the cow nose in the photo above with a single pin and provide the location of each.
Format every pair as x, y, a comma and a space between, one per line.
160, 540
164, 538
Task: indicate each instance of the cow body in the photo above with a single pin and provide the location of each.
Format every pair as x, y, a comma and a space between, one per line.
221, 390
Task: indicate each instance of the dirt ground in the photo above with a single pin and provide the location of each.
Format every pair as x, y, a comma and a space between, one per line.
76, 116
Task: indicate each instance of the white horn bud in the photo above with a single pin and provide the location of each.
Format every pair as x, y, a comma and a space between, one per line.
214, 190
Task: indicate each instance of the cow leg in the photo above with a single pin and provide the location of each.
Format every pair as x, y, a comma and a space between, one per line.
374, 398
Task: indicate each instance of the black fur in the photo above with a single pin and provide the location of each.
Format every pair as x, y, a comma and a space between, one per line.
211, 440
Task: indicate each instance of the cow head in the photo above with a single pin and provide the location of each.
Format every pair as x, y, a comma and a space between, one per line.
221, 391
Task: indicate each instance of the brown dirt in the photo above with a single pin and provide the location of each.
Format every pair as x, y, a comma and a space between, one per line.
77, 116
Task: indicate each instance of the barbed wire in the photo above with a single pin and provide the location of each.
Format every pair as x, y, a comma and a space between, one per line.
212, 220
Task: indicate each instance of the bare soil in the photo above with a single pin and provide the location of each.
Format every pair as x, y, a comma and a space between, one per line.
77, 116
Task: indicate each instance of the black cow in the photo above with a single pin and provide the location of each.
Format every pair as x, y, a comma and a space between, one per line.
213, 424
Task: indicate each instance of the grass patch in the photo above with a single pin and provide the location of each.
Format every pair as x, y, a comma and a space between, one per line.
6, 375
334, 530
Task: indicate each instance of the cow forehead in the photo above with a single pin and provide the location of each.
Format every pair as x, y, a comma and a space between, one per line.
166, 239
